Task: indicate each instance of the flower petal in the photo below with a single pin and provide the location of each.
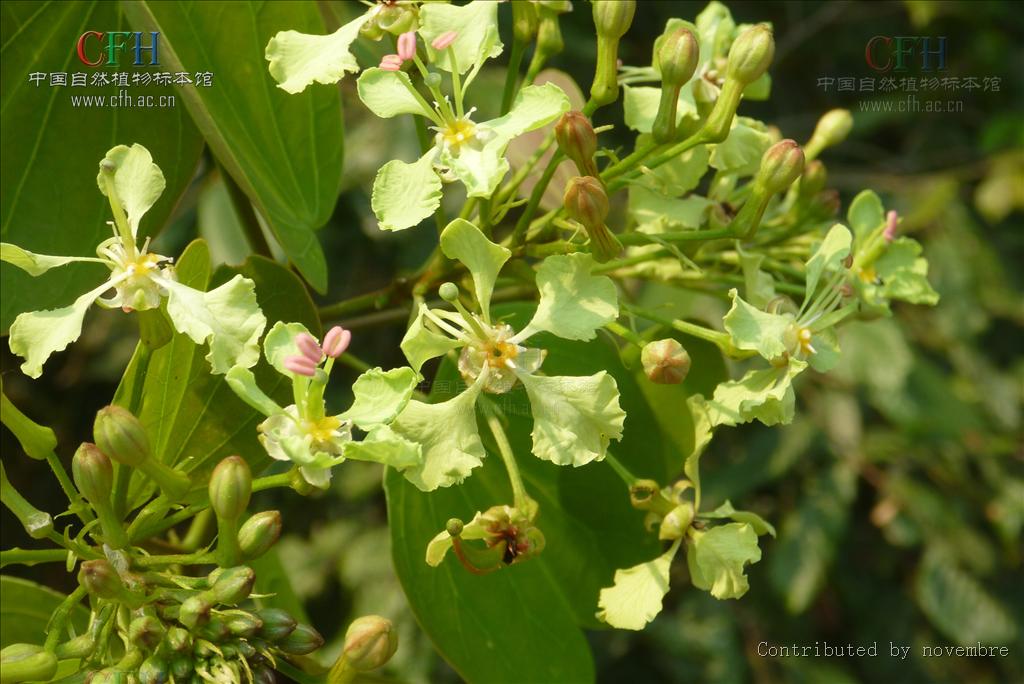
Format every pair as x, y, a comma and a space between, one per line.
380, 396
421, 344
299, 59
387, 93
36, 264
573, 303
405, 194
463, 241
634, 599
137, 180
476, 26
243, 383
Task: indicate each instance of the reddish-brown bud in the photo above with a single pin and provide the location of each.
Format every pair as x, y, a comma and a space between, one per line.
577, 140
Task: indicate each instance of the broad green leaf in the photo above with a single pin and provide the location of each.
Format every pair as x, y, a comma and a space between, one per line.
476, 24
865, 214
384, 445
279, 344
463, 241
380, 396
284, 151
405, 194
26, 609
39, 164
640, 106
420, 343
299, 59
448, 435
741, 152
35, 335
717, 559
830, 253
726, 511
635, 597
36, 264
227, 318
573, 303
755, 330
766, 395
574, 417
138, 182
243, 382
388, 93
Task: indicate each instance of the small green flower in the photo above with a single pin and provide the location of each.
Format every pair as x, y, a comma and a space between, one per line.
228, 317
303, 432
574, 417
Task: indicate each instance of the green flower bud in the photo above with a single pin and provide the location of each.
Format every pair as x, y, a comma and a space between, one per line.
79, 647
146, 632
25, 663
178, 640
677, 57
781, 164
303, 640
230, 487
233, 585
751, 54
244, 625
215, 631
831, 130
277, 624
577, 140
612, 19
195, 611
674, 525
121, 436
665, 362
181, 667
524, 21
154, 670
100, 579
93, 474
38, 524
449, 292
370, 641
814, 178
36, 440
259, 533
585, 201
263, 675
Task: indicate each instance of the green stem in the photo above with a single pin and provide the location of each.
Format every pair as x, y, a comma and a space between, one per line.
18, 556
342, 672
59, 618
203, 558
378, 299
77, 506
625, 333
515, 60
519, 496
197, 530
228, 553
271, 481
519, 232
621, 470
720, 339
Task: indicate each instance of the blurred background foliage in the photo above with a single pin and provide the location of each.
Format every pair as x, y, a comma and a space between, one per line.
898, 490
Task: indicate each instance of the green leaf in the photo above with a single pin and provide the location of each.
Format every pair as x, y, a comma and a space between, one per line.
865, 214
717, 559
635, 597
35, 335
228, 318
640, 106
726, 511
138, 182
36, 264
755, 330
243, 383
766, 395
573, 303
420, 343
388, 93
261, 135
476, 24
26, 608
463, 241
574, 417
380, 396
39, 164
741, 152
448, 434
828, 256
405, 194
299, 59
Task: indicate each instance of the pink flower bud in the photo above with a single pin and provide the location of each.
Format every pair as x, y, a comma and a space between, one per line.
444, 40
336, 341
307, 344
300, 365
407, 45
391, 63
891, 219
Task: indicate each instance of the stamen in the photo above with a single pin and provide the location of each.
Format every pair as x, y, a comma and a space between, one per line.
407, 45
309, 347
336, 341
300, 365
444, 40
891, 222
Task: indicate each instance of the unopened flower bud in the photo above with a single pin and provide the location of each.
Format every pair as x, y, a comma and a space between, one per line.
233, 585
369, 643
612, 19
263, 675
300, 365
443, 41
100, 579
121, 436
178, 640
154, 670
303, 640
181, 667
93, 474
751, 54
586, 202
524, 21
665, 361
336, 341
81, 646
781, 164
674, 525
677, 58
814, 178
215, 631
259, 533
277, 624
146, 632
577, 140
195, 611
26, 663
832, 129
244, 625
230, 487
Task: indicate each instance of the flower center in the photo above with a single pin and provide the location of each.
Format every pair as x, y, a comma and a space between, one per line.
499, 353
142, 265
803, 336
867, 274
322, 430
458, 132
